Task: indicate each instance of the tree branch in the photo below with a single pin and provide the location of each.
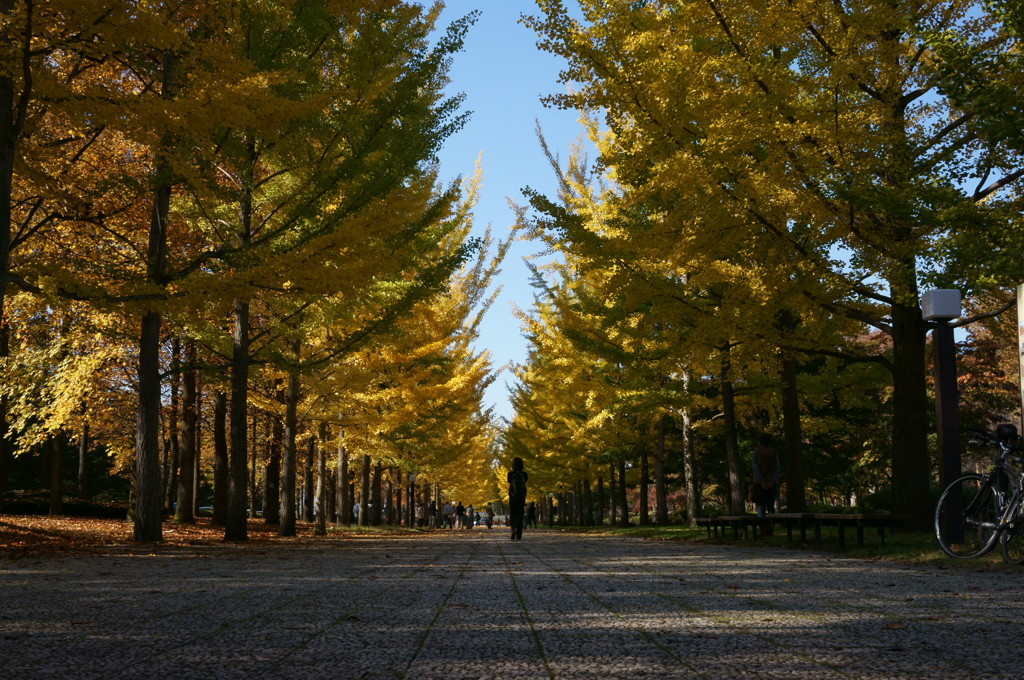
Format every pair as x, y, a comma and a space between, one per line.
997, 185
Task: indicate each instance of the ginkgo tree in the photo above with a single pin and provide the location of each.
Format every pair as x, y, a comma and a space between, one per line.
412, 395
49, 151
634, 306
280, 155
818, 128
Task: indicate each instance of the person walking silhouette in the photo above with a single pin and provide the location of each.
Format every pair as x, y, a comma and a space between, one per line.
517, 497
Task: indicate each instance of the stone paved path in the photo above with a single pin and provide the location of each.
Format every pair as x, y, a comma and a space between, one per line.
476, 605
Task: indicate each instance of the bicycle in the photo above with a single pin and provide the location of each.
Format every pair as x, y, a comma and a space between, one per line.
977, 510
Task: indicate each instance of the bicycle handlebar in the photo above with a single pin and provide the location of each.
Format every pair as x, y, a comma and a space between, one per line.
1005, 447
980, 436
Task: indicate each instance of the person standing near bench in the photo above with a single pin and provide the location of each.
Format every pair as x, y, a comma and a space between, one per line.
767, 467
517, 497
531, 515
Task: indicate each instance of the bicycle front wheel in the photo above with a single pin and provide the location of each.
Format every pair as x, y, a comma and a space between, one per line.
966, 517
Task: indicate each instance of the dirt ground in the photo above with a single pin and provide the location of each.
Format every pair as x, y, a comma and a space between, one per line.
26, 535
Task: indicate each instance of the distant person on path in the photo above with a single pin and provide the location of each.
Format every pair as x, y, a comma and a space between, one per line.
489, 511
460, 516
432, 511
449, 514
355, 512
767, 467
517, 497
470, 517
531, 515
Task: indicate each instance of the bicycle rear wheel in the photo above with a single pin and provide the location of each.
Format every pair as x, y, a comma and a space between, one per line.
966, 517
1012, 545
1011, 540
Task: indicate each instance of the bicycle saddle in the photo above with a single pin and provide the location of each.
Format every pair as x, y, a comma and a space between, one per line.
1006, 432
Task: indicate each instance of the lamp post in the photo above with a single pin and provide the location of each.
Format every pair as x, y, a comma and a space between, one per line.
940, 307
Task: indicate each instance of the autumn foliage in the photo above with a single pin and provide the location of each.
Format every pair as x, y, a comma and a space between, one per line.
776, 184
222, 217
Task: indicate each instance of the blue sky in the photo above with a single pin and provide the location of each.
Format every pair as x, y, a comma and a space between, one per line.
503, 76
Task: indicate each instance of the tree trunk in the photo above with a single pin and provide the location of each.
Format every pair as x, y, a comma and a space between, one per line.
375, 495
220, 459
796, 500
174, 451
911, 469
693, 499
5, 447
84, 491
612, 495
55, 446
410, 502
320, 528
253, 461
645, 488
911, 465
308, 490
588, 504
364, 492
600, 500
13, 112
387, 506
148, 491
577, 505
287, 525
331, 514
185, 511
238, 461
399, 505
737, 492
660, 491
344, 501
148, 516
165, 470
621, 488
237, 528
272, 473
197, 466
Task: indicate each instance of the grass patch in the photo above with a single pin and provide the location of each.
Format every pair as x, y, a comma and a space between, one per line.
383, 530
900, 546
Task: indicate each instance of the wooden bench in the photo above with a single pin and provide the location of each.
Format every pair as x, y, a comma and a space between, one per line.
841, 521
737, 523
802, 521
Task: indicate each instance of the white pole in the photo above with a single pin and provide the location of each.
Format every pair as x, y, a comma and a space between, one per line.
1020, 344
